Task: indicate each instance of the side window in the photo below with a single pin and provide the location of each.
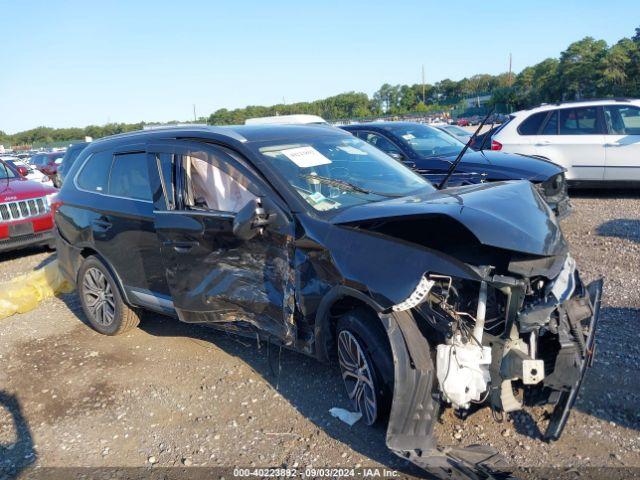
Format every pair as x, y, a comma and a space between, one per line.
551, 127
532, 124
579, 121
622, 119
165, 163
211, 188
130, 177
380, 142
94, 175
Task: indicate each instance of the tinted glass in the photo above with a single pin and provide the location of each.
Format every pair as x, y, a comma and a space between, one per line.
551, 127
532, 125
6, 171
427, 141
380, 142
579, 121
95, 172
130, 177
622, 120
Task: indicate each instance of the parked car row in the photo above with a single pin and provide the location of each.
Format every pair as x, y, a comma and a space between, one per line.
27, 196
26, 209
314, 238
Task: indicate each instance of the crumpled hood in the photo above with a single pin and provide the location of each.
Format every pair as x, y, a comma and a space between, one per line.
506, 166
509, 215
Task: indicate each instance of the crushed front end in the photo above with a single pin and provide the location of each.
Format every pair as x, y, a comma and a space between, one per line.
522, 337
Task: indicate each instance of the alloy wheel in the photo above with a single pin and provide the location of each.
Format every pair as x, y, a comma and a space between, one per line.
357, 376
98, 297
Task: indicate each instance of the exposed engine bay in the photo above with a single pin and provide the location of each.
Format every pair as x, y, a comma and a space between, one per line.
507, 341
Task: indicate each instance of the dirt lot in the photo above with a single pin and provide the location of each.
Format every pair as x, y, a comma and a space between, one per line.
171, 394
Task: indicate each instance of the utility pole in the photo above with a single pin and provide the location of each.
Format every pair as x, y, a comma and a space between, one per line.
424, 99
510, 81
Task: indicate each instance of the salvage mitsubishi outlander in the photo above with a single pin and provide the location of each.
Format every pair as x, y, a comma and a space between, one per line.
315, 240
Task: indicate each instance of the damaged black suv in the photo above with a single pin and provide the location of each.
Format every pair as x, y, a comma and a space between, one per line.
315, 240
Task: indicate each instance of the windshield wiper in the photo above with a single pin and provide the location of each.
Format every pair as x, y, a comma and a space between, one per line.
455, 163
346, 186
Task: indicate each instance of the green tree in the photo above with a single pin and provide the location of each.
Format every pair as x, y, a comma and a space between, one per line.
581, 68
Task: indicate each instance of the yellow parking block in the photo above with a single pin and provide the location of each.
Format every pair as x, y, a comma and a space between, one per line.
25, 292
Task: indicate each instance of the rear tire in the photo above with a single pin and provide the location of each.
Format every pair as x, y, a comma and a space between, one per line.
366, 364
101, 300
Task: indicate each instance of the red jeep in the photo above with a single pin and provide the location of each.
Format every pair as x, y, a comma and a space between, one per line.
26, 210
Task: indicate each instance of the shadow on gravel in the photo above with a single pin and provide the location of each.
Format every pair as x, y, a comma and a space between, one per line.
624, 228
24, 252
604, 193
611, 390
310, 386
20, 454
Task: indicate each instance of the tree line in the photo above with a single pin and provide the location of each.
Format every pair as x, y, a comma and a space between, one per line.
588, 68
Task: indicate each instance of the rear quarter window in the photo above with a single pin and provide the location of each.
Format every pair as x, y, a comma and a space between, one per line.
94, 176
130, 177
532, 124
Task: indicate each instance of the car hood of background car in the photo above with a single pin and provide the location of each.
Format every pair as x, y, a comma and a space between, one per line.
508, 215
19, 188
506, 166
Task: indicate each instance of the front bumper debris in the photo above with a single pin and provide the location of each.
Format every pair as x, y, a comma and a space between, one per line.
415, 410
566, 400
416, 403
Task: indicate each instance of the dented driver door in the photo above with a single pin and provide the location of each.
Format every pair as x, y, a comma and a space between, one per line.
213, 276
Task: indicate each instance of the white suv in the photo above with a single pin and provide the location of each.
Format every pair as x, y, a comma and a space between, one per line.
597, 141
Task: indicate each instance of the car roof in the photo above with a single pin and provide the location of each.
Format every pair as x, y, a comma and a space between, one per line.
239, 133
577, 103
383, 125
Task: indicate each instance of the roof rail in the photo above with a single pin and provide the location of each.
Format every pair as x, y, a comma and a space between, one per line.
585, 100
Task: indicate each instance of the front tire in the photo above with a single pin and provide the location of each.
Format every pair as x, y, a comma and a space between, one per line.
101, 299
366, 364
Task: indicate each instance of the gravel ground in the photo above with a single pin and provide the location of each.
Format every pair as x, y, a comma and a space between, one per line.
172, 394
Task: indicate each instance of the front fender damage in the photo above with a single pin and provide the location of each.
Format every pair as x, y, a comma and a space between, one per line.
415, 409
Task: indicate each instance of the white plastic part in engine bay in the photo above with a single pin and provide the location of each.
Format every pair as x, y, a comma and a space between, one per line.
419, 294
463, 371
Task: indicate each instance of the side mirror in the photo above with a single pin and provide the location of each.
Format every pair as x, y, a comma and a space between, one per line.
23, 171
251, 220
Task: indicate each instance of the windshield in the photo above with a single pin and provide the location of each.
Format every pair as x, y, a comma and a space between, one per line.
335, 172
457, 130
427, 141
6, 171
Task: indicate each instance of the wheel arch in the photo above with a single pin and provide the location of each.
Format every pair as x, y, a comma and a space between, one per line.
338, 300
88, 251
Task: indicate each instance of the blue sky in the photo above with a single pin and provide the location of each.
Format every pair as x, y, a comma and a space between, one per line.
74, 63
